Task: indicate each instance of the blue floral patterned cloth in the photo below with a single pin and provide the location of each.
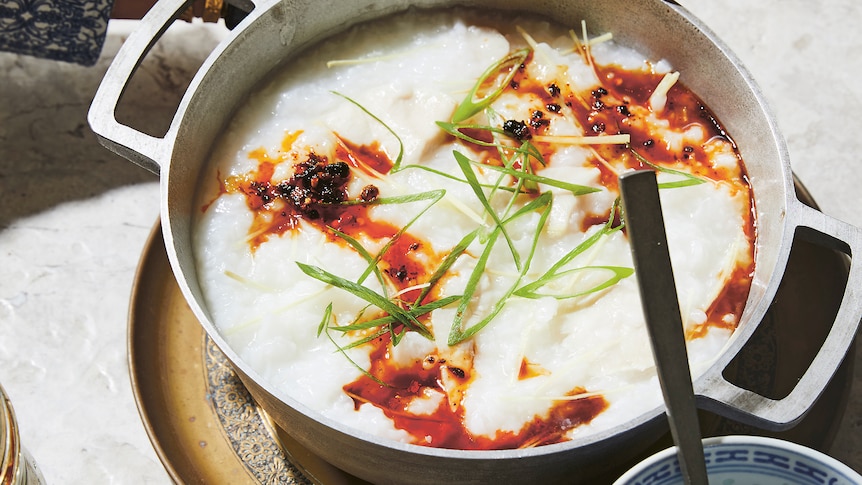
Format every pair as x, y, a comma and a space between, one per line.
66, 30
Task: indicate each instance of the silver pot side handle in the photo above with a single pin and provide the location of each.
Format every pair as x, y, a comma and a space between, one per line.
141, 148
724, 398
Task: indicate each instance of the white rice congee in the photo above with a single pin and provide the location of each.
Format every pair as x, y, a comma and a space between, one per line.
414, 228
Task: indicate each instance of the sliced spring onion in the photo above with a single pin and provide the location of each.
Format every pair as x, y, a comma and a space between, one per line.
322, 328
575, 189
465, 164
457, 333
618, 273
687, 179
396, 165
473, 103
402, 316
530, 290
416, 311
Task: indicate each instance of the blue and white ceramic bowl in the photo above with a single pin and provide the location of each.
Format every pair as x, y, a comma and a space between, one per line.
747, 460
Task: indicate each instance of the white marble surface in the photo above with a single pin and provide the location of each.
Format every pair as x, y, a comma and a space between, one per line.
74, 217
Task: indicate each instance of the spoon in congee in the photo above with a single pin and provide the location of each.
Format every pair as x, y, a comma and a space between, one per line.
646, 232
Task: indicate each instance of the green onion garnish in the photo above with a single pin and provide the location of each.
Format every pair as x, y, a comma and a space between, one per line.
402, 316
322, 328
618, 273
687, 179
472, 104
556, 270
457, 333
396, 165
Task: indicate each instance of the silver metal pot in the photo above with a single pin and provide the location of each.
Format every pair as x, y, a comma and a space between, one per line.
277, 30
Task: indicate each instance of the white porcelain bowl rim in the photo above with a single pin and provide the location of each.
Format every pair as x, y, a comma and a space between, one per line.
669, 454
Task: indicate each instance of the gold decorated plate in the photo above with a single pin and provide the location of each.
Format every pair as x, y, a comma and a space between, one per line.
206, 428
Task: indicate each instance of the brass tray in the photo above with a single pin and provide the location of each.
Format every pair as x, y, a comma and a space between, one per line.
206, 428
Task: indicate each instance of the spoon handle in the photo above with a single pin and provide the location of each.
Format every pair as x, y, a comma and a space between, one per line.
646, 232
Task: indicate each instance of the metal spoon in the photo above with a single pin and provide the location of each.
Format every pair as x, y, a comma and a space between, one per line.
646, 232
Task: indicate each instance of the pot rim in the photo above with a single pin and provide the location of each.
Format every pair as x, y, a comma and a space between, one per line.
701, 384
654, 415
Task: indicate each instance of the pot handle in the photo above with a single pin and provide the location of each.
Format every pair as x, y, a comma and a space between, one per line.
141, 148
720, 396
